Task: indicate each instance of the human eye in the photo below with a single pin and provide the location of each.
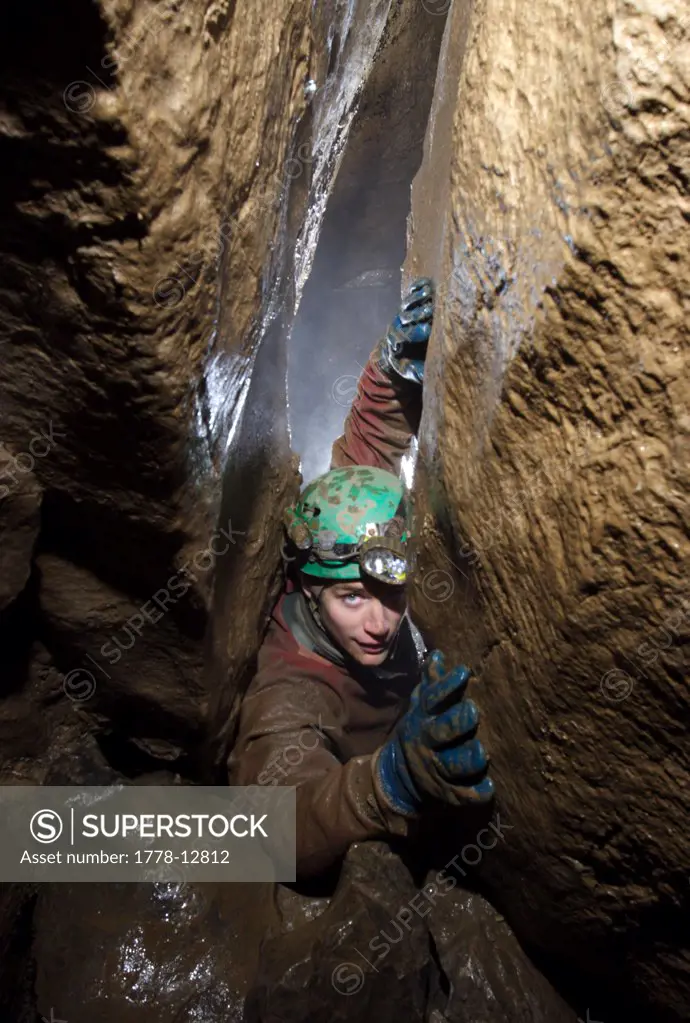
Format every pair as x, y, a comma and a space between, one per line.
351, 599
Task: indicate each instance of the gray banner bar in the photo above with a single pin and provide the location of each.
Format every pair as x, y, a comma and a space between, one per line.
147, 833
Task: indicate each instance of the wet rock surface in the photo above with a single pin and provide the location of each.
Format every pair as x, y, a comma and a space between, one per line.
136, 953
166, 172
552, 208
130, 146
354, 287
491, 978
260, 953
166, 169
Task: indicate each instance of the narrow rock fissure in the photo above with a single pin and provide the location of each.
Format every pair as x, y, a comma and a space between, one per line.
210, 209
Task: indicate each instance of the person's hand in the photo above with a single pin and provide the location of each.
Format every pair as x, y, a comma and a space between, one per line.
433, 752
407, 336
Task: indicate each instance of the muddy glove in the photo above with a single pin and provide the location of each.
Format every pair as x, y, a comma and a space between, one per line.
404, 347
432, 753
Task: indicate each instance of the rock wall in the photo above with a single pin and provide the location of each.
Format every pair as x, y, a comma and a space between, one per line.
166, 169
354, 286
552, 208
130, 306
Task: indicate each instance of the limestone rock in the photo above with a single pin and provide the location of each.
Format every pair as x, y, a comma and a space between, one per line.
261, 952
115, 665
490, 977
134, 953
20, 504
331, 965
136, 261
167, 170
552, 209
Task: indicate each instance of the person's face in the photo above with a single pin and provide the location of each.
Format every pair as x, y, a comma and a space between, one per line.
362, 617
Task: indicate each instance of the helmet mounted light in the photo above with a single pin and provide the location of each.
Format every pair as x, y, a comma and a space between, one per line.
380, 553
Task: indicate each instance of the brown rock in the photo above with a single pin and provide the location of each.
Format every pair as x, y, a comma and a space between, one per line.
166, 174
123, 656
554, 476
491, 979
136, 953
20, 504
262, 952
335, 962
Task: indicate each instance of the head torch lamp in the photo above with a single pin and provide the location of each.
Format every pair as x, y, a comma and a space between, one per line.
380, 552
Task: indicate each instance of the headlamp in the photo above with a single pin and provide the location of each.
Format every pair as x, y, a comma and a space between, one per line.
383, 558
380, 552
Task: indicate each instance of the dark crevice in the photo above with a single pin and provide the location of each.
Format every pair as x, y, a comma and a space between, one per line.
131, 761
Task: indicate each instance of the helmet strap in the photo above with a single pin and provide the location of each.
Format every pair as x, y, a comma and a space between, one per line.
314, 608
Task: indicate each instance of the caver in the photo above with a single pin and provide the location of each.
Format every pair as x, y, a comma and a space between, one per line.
347, 704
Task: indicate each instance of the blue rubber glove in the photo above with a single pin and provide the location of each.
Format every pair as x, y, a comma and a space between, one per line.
406, 341
433, 752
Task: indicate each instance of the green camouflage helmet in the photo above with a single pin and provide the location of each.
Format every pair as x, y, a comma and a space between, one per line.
351, 521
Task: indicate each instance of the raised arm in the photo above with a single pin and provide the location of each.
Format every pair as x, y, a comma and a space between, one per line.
387, 408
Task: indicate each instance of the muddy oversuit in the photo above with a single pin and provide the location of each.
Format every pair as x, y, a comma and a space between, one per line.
305, 719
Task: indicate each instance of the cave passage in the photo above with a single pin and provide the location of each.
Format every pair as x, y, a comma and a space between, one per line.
353, 291
184, 318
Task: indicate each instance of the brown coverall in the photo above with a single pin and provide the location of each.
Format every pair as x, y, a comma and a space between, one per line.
308, 722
